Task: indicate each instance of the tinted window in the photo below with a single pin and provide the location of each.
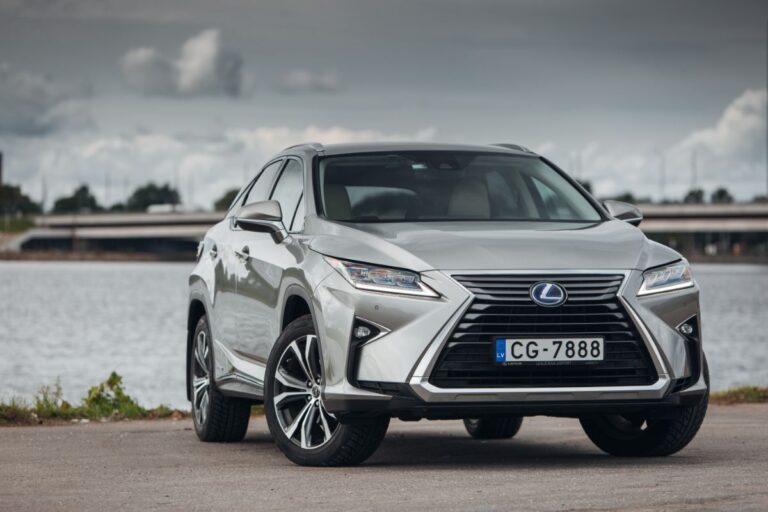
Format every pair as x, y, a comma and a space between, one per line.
260, 189
288, 189
447, 185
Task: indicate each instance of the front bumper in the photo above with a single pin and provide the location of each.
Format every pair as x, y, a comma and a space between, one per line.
399, 363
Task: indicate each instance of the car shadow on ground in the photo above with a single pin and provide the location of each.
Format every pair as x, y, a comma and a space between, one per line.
434, 450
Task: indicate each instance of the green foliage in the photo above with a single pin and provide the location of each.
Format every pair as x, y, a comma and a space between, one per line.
13, 201
15, 224
49, 403
16, 412
144, 197
107, 400
695, 196
224, 201
80, 201
741, 395
721, 195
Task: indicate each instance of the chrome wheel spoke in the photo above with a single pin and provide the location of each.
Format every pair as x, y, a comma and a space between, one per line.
201, 351
290, 395
311, 340
324, 420
291, 429
301, 361
306, 426
291, 382
200, 378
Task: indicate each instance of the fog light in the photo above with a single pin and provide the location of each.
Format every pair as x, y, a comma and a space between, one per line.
362, 331
686, 329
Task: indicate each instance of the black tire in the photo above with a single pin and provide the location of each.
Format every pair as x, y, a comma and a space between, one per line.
349, 444
633, 436
225, 419
493, 428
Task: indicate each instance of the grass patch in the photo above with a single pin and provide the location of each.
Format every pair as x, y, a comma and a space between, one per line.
740, 395
105, 401
15, 224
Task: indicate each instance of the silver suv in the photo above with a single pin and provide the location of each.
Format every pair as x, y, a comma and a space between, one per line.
350, 284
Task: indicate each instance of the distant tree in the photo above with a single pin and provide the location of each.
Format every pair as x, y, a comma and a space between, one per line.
626, 197
224, 201
143, 197
586, 184
13, 200
80, 201
695, 196
117, 207
721, 195
760, 199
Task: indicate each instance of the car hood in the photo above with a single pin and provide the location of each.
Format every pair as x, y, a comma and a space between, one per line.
423, 246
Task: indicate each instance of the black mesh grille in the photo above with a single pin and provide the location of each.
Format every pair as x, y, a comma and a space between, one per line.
502, 308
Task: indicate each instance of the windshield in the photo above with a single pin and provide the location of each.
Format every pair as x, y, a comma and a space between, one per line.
447, 186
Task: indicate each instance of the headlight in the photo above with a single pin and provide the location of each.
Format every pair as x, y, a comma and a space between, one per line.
665, 279
381, 279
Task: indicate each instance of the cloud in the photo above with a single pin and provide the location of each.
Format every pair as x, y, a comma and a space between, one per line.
740, 131
305, 81
730, 153
203, 166
35, 105
203, 67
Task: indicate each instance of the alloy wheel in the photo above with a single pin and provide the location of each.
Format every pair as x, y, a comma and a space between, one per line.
200, 378
297, 395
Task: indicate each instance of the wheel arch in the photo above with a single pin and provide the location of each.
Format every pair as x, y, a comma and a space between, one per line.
296, 303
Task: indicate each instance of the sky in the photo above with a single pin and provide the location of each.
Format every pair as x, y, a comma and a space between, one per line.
651, 97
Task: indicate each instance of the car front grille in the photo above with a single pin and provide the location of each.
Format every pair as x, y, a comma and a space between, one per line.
503, 308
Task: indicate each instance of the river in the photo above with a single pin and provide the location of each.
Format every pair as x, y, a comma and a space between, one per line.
78, 321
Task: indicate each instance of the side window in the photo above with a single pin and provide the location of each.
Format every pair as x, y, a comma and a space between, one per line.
289, 189
298, 217
260, 189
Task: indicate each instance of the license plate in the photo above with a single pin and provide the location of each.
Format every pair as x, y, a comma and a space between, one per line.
543, 350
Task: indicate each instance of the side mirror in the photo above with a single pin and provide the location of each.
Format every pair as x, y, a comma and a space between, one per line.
624, 211
262, 217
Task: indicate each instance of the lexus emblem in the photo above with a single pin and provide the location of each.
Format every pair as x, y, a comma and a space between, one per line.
548, 294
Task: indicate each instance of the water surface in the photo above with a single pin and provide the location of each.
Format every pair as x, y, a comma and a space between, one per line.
78, 321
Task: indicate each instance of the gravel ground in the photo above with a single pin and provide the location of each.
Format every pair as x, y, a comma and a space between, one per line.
550, 465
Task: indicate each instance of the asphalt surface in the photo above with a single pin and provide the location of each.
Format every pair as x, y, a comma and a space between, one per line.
550, 465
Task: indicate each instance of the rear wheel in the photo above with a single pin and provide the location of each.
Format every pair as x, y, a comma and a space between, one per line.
217, 418
493, 428
303, 429
637, 436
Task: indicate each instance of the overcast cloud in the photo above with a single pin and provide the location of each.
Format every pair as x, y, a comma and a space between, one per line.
622, 94
33, 105
203, 67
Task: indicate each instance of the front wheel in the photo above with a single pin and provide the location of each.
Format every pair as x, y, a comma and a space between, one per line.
303, 429
634, 435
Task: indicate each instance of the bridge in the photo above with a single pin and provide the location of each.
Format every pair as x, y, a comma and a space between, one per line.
696, 229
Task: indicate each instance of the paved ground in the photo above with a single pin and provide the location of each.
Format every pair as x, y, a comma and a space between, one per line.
421, 466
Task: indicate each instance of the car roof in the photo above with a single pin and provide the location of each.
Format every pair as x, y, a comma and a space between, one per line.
377, 147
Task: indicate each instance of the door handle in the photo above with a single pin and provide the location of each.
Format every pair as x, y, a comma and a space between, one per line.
214, 251
245, 252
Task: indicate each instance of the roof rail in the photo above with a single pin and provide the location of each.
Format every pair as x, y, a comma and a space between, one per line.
314, 145
516, 147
